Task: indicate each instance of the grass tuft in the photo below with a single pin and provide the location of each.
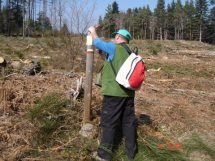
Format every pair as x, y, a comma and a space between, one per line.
149, 149
196, 144
47, 115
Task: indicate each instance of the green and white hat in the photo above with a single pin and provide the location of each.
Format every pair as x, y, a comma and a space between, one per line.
124, 33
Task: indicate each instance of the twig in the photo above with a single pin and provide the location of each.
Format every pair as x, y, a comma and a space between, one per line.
9, 75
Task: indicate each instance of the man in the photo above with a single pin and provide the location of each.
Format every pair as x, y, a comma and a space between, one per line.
118, 103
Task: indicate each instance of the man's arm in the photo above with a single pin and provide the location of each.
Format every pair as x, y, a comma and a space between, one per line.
106, 47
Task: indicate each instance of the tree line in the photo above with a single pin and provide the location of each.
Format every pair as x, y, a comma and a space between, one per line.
23, 17
194, 20
39, 17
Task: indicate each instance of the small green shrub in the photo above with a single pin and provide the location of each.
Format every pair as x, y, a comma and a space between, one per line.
47, 115
7, 51
45, 62
155, 48
19, 54
51, 42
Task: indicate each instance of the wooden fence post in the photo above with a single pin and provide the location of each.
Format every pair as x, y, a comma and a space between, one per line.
89, 79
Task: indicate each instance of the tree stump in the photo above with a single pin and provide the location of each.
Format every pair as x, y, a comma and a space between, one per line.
3, 98
3, 65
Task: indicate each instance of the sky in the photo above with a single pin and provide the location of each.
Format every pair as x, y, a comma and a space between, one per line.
125, 4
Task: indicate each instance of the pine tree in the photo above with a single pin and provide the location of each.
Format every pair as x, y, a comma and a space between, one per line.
201, 15
189, 10
143, 22
115, 8
170, 20
128, 19
153, 21
211, 26
110, 18
135, 21
179, 20
148, 16
108, 21
100, 20
64, 30
43, 23
160, 15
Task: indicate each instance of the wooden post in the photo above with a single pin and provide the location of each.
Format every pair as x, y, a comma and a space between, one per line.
89, 78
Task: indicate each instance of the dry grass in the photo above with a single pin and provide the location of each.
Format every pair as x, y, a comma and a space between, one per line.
179, 99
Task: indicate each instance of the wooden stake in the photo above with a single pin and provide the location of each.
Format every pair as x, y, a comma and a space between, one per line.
89, 78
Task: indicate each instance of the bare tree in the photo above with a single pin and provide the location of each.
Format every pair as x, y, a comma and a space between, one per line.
0, 5
82, 13
23, 18
57, 13
60, 12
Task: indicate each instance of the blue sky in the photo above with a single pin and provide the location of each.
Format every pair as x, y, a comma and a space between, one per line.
125, 4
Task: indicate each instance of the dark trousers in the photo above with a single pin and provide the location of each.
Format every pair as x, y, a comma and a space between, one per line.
117, 119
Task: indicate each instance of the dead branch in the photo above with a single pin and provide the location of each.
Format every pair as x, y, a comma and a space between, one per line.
76, 93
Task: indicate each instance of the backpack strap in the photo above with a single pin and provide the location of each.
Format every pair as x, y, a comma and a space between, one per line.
126, 48
114, 71
129, 52
133, 50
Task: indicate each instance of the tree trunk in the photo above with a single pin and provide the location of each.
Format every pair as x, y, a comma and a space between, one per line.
29, 18
1, 24
161, 37
190, 33
200, 33
142, 32
0, 6
182, 30
153, 34
145, 34
129, 28
34, 14
17, 19
165, 34
9, 18
60, 14
178, 34
52, 8
23, 19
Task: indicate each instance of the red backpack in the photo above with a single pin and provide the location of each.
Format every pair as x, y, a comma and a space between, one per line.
132, 72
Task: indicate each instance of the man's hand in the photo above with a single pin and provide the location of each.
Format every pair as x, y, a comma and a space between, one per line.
92, 32
92, 29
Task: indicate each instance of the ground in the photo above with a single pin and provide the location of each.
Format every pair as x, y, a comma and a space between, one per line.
178, 95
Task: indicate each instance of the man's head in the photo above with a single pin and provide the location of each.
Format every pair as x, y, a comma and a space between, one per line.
122, 36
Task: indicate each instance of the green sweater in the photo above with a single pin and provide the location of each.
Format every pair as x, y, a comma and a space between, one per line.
109, 85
